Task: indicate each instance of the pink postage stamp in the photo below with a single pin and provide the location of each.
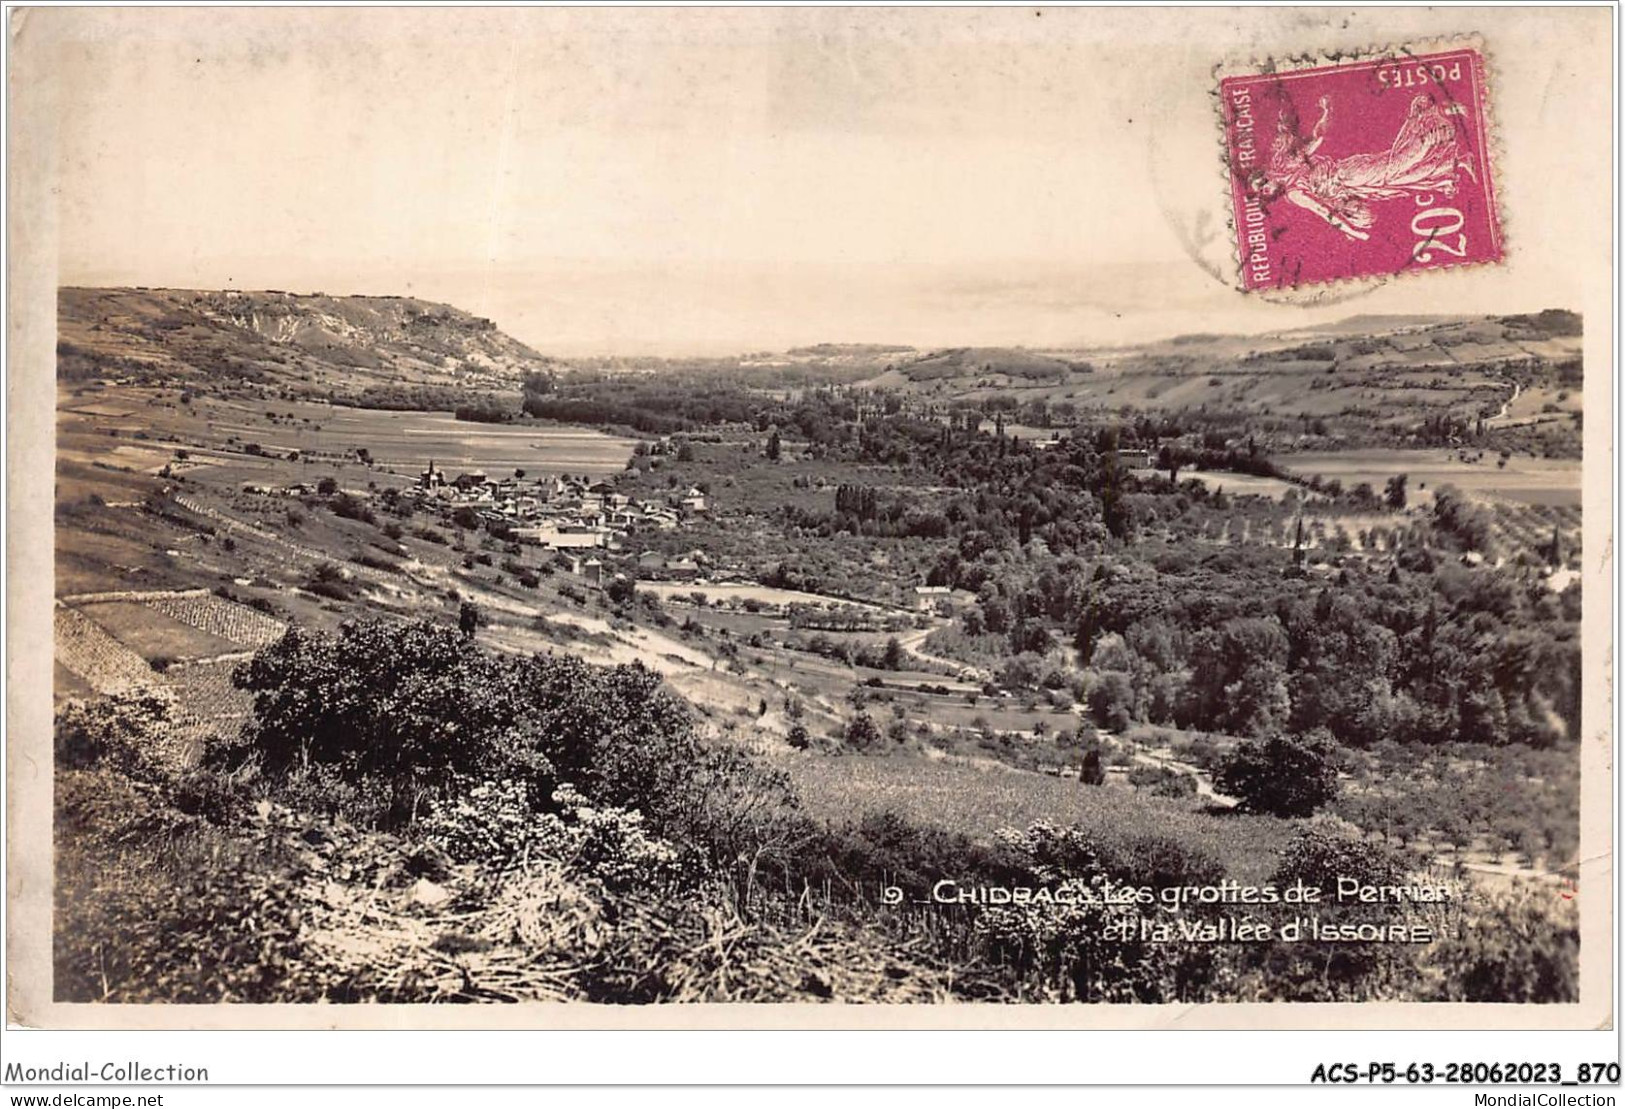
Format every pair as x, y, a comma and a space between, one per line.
1360, 169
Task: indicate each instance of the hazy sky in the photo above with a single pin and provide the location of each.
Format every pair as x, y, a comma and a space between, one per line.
720, 180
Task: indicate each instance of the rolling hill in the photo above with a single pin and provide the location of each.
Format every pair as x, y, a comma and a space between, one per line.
311, 344
1385, 370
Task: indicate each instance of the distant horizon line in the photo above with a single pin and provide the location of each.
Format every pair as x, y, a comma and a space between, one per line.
746, 352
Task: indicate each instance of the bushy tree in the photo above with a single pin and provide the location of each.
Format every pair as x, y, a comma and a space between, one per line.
415, 711
1092, 771
1280, 776
1516, 945
862, 733
1111, 700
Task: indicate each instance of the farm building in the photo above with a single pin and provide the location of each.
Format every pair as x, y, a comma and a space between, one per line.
562, 538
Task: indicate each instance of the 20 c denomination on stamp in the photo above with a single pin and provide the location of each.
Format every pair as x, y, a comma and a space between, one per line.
1360, 169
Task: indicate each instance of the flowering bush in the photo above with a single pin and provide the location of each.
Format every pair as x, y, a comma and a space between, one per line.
492, 822
497, 823
607, 843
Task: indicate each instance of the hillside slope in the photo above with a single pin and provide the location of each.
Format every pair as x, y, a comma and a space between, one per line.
308, 344
1374, 370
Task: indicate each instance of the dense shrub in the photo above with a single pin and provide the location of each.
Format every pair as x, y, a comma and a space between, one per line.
1329, 849
1093, 947
862, 733
1162, 782
1323, 852
120, 728
154, 906
417, 714
1280, 776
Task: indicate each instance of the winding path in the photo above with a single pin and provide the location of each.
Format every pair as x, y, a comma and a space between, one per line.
1506, 407
910, 642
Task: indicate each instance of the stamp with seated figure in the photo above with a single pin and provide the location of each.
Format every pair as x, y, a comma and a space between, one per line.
1361, 169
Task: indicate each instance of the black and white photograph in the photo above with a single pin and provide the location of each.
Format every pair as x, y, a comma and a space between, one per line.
1055, 511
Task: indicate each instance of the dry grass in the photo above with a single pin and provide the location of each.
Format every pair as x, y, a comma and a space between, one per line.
165, 907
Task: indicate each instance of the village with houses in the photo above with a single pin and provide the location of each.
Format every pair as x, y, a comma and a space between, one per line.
575, 518
556, 511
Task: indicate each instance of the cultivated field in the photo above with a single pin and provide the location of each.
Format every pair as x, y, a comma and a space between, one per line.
1534, 481
396, 441
1241, 485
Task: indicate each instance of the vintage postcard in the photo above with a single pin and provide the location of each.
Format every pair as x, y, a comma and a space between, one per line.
857, 518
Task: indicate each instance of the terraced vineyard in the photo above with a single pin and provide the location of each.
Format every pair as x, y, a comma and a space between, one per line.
101, 661
223, 618
209, 705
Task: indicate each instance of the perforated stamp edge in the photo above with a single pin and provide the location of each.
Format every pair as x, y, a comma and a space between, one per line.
1345, 288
